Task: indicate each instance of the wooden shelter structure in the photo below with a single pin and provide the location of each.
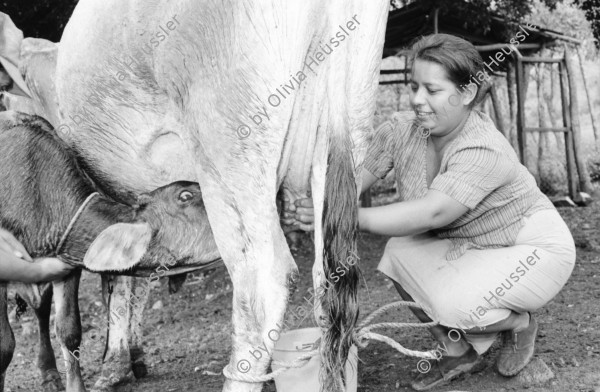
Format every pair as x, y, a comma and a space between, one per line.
506, 60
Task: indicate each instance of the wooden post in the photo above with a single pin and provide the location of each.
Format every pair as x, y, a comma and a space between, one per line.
551, 107
587, 94
498, 111
522, 140
406, 70
571, 171
488, 108
544, 152
585, 184
511, 90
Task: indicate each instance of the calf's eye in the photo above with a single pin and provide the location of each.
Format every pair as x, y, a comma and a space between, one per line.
186, 196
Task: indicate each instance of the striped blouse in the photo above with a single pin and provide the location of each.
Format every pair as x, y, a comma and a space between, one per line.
479, 169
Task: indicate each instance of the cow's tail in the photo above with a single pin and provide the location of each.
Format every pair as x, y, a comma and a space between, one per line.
340, 226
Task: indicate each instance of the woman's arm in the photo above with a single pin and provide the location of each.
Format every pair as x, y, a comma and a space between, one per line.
300, 215
13, 268
405, 218
16, 264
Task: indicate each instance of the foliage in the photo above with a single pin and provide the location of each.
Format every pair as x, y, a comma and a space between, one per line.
594, 168
513, 9
592, 13
567, 18
478, 14
39, 18
579, 18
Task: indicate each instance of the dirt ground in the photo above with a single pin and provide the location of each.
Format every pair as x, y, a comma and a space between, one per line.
188, 342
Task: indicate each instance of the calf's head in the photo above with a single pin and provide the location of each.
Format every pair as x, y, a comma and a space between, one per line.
170, 227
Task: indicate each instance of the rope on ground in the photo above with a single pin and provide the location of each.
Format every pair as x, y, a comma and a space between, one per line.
361, 337
364, 334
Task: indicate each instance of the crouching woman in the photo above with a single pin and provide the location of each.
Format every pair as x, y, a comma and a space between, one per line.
475, 242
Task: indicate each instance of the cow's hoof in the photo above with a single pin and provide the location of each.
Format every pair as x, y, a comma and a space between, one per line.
139, 369
52, 381
107, 384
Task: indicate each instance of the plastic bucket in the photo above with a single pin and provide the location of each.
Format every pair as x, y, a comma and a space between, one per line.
293, 344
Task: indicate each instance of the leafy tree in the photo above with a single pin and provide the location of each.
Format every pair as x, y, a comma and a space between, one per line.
592, 13
478, 14
567, 18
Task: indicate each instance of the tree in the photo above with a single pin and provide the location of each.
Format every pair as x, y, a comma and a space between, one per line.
568, 18
478, 14
592, 14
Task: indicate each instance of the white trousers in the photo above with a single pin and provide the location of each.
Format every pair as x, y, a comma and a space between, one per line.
482, 287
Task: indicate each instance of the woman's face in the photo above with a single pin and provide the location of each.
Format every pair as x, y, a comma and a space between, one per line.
437, 102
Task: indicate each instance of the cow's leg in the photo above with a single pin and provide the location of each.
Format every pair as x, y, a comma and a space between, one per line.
68, 327
116, 364
141, 291
246, 227
51, 381
7, 339
260, 293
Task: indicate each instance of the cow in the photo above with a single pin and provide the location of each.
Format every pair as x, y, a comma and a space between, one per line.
49, 204
246, 97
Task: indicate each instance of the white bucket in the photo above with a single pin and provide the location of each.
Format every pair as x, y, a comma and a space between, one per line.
293, 344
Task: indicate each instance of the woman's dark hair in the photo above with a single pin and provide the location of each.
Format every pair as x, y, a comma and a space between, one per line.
458, 57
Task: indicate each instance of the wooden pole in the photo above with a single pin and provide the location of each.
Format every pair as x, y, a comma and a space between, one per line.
587, 94
544, 137
571, 170
558, 36
512, 104
487, 108
491, 47
551, 107
585, 183
497, 110
521, 94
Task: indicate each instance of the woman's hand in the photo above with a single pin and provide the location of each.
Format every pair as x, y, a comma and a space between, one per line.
51, 269
17, 265
299, 215
9, 244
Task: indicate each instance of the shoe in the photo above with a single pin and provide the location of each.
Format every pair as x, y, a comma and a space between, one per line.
446, 369
518, 349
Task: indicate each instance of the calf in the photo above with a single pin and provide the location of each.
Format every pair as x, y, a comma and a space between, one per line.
124, 355
42, 202
37, 65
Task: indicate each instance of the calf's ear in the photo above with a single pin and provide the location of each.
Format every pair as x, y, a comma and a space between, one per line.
119, 247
